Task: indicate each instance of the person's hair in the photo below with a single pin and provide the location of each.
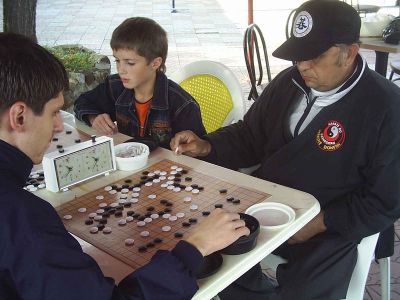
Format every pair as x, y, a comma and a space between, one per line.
143, 35
28, 73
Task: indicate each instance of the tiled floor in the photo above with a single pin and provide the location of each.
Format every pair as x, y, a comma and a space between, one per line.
203, 29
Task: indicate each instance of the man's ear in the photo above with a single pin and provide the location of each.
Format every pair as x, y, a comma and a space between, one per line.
352, 52
18, 114
156, 63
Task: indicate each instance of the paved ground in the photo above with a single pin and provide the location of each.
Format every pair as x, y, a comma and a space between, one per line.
206, 29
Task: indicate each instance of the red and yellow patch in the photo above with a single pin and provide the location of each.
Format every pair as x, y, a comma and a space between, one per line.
331, 136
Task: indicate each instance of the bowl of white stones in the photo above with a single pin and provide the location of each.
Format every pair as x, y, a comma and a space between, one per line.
131, 156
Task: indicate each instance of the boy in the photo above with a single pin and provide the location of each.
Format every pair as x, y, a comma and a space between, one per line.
39, 259
140, 98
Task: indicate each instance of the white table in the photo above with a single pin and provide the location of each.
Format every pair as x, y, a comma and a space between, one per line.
305, 205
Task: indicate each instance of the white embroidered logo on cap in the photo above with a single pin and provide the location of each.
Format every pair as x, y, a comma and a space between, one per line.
302, 24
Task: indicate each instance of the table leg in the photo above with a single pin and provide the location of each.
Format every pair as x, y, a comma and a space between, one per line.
381, 61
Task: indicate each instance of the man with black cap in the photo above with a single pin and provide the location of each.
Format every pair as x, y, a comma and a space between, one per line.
329, 126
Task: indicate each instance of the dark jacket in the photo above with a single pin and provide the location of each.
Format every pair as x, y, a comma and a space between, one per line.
40, 260
172, 109
357, 183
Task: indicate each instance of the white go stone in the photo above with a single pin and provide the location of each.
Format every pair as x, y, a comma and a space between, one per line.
179, 169
124, 191
148, 220
129, 219
145, 233
194, 207
188, 189
162, 178
164, 185
67, 217
135, 195
166, 228
170, 187
107, 229
82, 209
187, 199
134, 200
94, 229
154, 216
174, 167
92, 215
173, 218
152, 196
108, 188
112, 192
148, 184
141, 223
136, 189
163, 173
180, 215
177, 189
102, 204
99, 197
121, 222
166, 216
129, 242
100, 211
195, 191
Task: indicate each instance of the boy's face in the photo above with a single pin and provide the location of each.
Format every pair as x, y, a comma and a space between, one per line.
135, 71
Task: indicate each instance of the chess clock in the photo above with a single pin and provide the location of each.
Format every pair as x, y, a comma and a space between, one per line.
79, 162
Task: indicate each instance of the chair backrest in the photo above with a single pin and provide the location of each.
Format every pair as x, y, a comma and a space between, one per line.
216, 89
251, 42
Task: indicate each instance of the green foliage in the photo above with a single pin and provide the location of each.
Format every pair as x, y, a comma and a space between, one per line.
74, 58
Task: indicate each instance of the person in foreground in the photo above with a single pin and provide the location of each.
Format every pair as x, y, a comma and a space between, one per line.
145, 104
328, 126
39, 259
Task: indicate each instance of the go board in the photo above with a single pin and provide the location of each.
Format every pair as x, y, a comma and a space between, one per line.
151, 210
64, 139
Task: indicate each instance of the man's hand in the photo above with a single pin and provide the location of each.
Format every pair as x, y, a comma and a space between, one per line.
188, 143
312, 228
217, 231
103, 124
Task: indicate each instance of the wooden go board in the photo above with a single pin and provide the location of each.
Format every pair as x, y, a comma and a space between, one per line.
166, 196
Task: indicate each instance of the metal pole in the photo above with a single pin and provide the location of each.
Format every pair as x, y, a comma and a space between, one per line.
250, 11
173, 7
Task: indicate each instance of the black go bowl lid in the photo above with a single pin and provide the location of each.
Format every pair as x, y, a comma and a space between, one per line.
211, 264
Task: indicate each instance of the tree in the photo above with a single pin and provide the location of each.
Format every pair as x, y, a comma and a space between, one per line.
20, 17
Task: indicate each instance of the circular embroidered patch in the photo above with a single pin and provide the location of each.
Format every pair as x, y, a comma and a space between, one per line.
303, 24
331, 136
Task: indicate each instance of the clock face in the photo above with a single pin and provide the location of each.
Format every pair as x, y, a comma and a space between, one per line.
83, 164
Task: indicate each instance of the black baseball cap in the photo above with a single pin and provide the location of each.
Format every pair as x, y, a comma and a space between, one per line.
317, 26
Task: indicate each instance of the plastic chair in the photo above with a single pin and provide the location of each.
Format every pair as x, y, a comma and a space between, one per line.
395, 65
358, 280
217, 91
251, 43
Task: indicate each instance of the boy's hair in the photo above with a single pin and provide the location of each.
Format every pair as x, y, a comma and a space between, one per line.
143, 35
28, 73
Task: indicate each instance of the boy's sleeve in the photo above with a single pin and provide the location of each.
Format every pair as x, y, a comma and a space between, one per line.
97, 101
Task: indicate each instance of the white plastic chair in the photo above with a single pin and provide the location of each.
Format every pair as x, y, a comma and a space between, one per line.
216, 89
366, 249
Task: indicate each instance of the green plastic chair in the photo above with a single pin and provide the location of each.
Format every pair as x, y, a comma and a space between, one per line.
217, 91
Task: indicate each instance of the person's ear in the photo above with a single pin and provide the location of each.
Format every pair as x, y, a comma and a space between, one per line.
18, 115
156, 63
352, 51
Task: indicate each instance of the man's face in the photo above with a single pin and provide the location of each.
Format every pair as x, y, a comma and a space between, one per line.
41, 128
135, 71
327, 71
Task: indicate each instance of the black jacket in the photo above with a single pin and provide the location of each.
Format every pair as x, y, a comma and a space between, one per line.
40, 260
357, 183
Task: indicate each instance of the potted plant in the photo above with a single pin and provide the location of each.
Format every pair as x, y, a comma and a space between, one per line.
85, 68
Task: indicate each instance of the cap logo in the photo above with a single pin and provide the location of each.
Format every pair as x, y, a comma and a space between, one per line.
331, 136
302, 25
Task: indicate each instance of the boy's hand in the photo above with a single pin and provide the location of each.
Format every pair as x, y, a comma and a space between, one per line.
103, 124
217, 231
187, 142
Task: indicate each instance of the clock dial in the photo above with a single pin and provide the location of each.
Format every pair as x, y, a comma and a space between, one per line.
82, 164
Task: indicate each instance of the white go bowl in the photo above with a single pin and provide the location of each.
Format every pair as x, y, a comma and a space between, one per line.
131, 156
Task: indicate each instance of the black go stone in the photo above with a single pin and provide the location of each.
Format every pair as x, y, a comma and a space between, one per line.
77, 141
118, 189
114, 186
61, 150
128, 180
150, 244
118, 213
136, 216
130, 213
223, 191
230, 199
169, 204
186, 224
142, 248
145, 172
68, 132
192, 220
205, 213
184, 171
157, 240
141, 218
103, 221
89, 222
201, 188
148, 214
195, 186
236, 201
163, 201
150, 208
125, 186
188, 178
100, 226
127, 204
119, 207
167, 210
161, 212
106, 215
178, 234
176, 179
55, 139
111, 211
178, 175
182, 186
59, 146
218, 205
